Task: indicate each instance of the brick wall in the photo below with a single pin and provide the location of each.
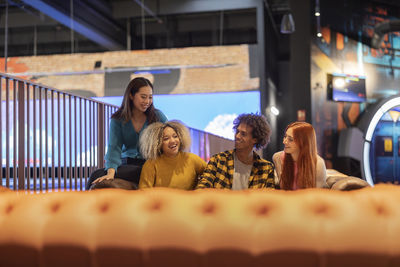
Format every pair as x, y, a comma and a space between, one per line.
189, 70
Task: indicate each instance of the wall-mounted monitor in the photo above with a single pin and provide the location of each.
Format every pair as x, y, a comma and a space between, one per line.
346, 88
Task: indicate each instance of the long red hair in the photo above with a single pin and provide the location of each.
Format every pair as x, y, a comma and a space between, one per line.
304, 137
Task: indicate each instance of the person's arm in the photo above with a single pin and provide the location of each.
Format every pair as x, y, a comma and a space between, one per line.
148, 175
113, 156
270, 183
114, 148
276, 158
206, 180
200, 165
161, 116
262, 174
110, 175
320, 179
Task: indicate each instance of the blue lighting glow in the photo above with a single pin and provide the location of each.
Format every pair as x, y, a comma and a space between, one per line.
211, 112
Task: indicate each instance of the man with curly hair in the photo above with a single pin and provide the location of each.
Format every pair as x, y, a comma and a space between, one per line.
241, 168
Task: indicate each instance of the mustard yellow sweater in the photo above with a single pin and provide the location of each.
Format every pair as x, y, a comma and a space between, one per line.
178, 172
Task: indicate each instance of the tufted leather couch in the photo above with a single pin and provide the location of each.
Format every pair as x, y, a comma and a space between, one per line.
339, 181
165, 227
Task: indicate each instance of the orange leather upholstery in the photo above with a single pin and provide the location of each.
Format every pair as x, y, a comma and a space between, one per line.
165, 227
4, 189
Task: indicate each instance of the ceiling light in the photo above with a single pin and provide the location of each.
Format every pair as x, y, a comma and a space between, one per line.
317, 11
287, 24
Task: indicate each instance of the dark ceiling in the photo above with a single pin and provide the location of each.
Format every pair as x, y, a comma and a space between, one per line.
44, 26
48, 26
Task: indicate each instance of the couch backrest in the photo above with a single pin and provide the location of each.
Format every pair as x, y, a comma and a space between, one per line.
164, 227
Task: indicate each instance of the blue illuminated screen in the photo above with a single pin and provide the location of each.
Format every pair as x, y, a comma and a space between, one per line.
347, 88
210, 112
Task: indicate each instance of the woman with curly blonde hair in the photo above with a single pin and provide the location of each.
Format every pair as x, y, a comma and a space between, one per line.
168, 165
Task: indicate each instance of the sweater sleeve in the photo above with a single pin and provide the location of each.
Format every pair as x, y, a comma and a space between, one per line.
276, 158
148, 175
206, 180
200, 165
321, 174
114, 149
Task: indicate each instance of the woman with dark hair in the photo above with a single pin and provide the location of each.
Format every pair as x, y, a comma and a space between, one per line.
168, 165
123, 158
298, 166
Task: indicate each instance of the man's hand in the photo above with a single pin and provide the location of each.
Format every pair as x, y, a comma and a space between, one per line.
109, 176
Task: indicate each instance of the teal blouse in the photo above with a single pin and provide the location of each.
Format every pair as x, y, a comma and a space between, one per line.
123, 141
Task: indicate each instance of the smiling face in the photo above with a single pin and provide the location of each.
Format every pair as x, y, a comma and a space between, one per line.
170, 142
243, 137
142, 99
290, 145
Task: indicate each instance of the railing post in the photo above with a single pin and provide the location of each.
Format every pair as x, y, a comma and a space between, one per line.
21, 135
100, 135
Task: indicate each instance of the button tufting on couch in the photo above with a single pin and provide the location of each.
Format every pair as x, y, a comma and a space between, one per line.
164, 227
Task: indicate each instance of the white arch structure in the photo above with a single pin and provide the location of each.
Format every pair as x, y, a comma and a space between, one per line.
372, 121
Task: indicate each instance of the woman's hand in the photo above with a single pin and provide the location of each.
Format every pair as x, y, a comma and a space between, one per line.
110, 175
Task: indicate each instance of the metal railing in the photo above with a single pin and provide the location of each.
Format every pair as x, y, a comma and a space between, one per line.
53, 140
49, 139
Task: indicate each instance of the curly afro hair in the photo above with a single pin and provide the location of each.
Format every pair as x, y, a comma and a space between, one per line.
261, 130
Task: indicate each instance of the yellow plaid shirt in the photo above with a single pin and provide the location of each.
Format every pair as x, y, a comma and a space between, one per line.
220, 169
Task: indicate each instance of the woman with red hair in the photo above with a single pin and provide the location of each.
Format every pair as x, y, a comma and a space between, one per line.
298, 166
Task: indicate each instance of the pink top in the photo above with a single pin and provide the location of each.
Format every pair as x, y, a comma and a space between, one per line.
294, 187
